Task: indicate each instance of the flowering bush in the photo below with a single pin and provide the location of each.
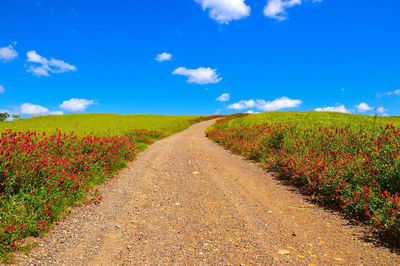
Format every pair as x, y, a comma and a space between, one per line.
357, 171
41, 175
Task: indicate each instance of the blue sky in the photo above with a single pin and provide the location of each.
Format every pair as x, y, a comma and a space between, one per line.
199, 56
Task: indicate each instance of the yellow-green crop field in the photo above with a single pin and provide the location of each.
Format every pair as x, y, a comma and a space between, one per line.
316, 119
100, 124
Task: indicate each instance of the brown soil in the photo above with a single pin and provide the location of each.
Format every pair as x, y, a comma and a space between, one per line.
186, 200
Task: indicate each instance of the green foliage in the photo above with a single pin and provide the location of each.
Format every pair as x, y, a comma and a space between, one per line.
4, 116
15, 116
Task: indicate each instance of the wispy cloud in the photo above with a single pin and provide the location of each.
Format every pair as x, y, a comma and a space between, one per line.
224, 11
200, 75
389, 93
224, 97
7, 53
266, 106
338, 109
2, 89
44, 66
382, 111
163, 57
76, 105
277, 8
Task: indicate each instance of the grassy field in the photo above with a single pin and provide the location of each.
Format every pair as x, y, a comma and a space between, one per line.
100, 124
348, 162
316, 119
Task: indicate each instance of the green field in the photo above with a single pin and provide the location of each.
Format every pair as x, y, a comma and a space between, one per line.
316, 119
101, 124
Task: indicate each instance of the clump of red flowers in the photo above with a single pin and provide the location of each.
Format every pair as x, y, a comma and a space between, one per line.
41, 175
355, 170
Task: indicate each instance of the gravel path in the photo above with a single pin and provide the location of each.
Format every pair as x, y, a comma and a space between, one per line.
186, 200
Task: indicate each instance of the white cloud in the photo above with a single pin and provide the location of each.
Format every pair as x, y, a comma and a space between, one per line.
36, 110
32, 109
266, 106
277, 8
277, 104
163, 57
56, 113
45, 65
60, 66
2, 89
76, 105
32, 56
251, 112
200, 75
224, 97
38, 71
242, 104
338, 109
7, 53
363, 107
224, 11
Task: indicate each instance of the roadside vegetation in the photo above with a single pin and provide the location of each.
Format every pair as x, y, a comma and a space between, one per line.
100, 124
51, 163
347, 162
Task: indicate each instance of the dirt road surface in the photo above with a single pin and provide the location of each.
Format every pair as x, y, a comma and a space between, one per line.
186, 200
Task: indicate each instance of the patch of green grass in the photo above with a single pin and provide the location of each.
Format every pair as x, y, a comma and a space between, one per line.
316, 119
101, 124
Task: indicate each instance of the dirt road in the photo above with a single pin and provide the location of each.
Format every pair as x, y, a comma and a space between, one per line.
186, 200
